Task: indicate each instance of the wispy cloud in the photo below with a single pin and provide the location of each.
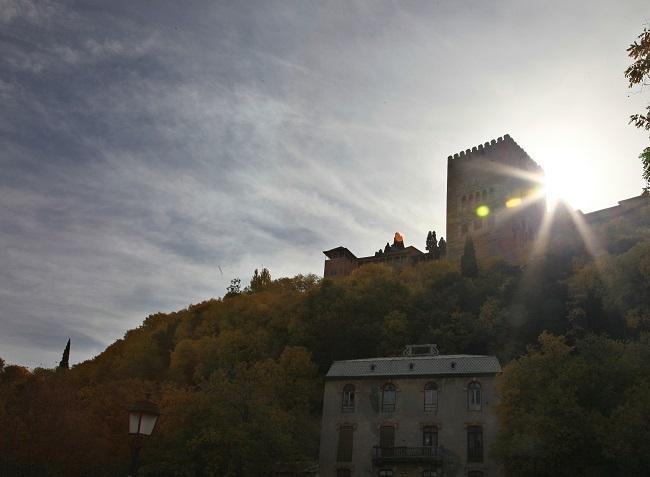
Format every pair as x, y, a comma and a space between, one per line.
150, 155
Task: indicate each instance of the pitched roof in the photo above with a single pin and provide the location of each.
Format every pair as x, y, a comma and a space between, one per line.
340, 249
450, 365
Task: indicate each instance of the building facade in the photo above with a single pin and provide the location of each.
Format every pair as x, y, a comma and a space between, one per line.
494, 196
341, 262
419, 415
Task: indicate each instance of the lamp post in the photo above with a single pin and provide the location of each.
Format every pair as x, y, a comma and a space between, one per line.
143, 416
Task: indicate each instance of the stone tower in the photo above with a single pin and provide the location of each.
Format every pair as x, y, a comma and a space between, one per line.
494, 196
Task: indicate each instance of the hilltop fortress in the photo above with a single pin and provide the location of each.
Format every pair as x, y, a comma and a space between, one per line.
494, 197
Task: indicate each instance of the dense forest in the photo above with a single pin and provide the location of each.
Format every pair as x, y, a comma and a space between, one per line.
239, 378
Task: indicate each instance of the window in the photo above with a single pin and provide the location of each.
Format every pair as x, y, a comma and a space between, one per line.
343, 473
474, 396
388, 398
347, 402
429, 473
429, 436
475, 473
344, 451
386, 439
385, 473
430, 397
474, 444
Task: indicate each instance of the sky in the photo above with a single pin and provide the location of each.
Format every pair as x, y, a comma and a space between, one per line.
152, 151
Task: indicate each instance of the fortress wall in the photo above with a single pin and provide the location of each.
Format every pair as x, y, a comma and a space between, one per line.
483, 176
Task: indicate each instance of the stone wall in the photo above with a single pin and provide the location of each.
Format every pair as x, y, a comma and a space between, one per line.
492, 175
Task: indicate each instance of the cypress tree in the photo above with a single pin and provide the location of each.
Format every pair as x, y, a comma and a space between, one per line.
65, 360
468, 265
442, 247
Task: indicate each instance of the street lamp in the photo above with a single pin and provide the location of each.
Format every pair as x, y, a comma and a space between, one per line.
143, 416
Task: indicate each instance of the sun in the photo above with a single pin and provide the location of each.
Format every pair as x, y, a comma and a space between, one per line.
566, 183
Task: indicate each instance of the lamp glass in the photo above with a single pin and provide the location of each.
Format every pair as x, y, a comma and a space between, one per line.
134, 418
148, 423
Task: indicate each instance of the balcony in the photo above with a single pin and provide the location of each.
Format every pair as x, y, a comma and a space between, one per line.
386, 455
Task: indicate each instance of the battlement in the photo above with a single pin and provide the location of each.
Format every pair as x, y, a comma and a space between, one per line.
493, 146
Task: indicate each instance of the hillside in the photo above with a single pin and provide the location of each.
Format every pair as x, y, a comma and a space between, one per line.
238, 378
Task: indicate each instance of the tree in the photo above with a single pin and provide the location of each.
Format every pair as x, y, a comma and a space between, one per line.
638, 73
442, 247
260, 281
432, 244
234, 288
65, 359
468, 265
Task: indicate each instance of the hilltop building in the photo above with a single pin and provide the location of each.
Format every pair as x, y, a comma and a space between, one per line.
417, 415
342, 262
493, 196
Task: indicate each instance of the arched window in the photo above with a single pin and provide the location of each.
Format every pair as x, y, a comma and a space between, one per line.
474, 396
388, 398
347, 400
431, 397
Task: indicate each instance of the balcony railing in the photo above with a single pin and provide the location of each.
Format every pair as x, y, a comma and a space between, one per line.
406, 454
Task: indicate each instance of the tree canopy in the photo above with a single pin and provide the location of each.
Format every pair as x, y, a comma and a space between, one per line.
638, 74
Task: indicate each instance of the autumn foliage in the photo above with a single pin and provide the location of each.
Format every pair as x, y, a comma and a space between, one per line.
239, 379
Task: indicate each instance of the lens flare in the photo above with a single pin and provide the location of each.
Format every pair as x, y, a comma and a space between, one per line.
514, 202
482, 211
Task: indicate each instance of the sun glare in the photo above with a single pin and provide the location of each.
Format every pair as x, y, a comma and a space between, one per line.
569, 184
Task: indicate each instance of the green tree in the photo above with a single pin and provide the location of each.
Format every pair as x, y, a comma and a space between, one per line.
234, 288
468, 265
260, 280
638, 73
432, 244
442, 247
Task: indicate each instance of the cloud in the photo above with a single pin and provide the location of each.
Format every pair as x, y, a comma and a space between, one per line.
144, 150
